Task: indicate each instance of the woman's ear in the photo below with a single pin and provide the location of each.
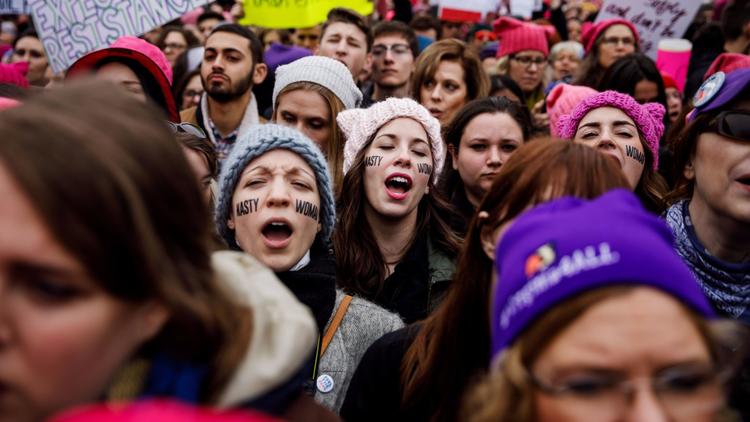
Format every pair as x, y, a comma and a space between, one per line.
486, 236
454, 156
230, 222
153, 317
689, 171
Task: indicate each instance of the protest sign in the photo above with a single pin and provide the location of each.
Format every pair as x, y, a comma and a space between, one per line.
13, 7
522, 8
654, 19
71, 28
297, 13
466, 10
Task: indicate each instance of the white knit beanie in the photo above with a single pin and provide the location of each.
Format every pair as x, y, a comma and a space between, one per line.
360, 124
326, 72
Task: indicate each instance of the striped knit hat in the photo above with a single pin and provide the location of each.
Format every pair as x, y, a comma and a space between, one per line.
256, 142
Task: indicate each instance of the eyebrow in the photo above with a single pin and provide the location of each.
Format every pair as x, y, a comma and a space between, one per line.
615, 123
393, 136
224, 50
264, 169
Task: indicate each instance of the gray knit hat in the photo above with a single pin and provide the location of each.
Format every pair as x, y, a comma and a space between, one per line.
326, 72
256, 142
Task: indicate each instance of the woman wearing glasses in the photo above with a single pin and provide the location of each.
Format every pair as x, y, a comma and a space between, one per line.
605, 42
448, 75
174, 40
711, 213
523, 56
589, 325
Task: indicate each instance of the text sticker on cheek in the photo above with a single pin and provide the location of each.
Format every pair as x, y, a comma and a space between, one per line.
246, 207
373, 161
424, 168
633, 153
307, 209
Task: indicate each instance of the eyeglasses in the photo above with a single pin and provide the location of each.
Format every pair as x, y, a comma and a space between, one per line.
618, 40
188, 128
734, 124
191, 93
527, 61
683, 392
175, 46
380, 50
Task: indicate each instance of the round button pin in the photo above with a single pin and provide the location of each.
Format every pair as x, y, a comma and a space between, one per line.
325, 383
709, 89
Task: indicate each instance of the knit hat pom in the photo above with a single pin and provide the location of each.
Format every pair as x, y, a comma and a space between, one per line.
359, 125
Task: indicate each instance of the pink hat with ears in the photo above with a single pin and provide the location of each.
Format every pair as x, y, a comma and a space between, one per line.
14, 74
590, 33
515, 36
561, 101
649, 117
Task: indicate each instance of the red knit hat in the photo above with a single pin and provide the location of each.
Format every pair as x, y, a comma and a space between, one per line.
669, 81
592, 32
727, 62
515, 36
14, 74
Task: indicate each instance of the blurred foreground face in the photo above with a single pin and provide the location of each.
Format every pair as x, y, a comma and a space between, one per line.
62, 337
123, 76
632, 357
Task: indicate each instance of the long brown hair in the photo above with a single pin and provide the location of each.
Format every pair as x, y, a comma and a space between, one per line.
112, 186
452, 345
360, 266
334, 151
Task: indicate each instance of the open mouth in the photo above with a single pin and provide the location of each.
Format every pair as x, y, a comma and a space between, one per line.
435, 112
744, 181
277, 233
398, 185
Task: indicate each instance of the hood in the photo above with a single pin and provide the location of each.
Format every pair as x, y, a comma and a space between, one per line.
283, 334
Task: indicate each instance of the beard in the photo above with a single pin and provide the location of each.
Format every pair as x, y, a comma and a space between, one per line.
222, 94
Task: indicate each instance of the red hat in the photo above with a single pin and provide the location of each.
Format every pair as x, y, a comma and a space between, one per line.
727, 62
14, 74
157, 410
142, 52
669, 81
590, 33
515, 36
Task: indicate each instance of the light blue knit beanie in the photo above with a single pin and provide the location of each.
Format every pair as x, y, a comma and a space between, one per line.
256, 142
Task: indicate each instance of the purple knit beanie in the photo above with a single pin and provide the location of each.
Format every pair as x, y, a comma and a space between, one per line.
648, 117
570, 246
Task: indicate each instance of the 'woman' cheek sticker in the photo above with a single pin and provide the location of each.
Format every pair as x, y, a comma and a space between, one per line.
373, 161
633, 153
306, 208
424, 168
246, 207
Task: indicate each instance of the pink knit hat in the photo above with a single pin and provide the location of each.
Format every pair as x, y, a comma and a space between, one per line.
359, 125
592, 32
562, 99
518, 36
648, 117
14, 74
161, 410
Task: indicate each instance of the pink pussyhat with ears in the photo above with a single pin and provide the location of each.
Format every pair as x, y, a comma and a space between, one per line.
515, 36
649, 117
561, 101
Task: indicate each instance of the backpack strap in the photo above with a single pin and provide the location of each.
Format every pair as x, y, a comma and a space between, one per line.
337, 318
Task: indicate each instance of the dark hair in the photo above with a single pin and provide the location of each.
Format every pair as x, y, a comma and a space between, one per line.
344, 15
254, 44
626, 72
734, 18
451, 182
209, 14
30, 32
590, 72
477, 82
361, 268
113, 163
425, 23
151, 86
202, 146
501, 82
452, 345
179, 87
400, 29
190, 38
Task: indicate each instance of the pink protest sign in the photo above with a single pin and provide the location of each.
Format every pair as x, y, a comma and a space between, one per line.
673, 58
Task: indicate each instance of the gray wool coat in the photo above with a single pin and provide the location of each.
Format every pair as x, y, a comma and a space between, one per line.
363, 323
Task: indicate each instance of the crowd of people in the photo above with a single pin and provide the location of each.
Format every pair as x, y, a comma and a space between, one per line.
391, 217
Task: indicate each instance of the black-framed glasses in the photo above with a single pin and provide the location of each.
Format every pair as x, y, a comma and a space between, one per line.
188, 128
527, 61
734, 124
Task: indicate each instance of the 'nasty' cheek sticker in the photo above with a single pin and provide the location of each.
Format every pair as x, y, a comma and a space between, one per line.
424, 168
307, 209
633, 153
246, 207
373, 161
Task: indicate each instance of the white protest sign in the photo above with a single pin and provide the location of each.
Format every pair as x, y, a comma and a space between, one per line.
466, 10
13, 7
654, 19
522, 8
71, 28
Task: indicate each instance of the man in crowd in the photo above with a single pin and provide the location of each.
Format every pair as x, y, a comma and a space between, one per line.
232, 65
346, 37
308, 38
426, 26
207, 21
394, 49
